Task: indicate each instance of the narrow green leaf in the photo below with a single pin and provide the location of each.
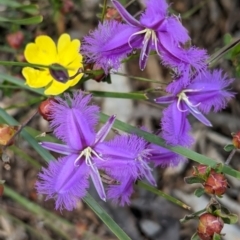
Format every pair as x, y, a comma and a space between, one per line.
136, 96
199, 192
19, 82
229, 147
192, 216
162, 194
30, 8
101, 213
25, 21
180, 150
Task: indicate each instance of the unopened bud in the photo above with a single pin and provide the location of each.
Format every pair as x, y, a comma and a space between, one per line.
216, 184
15, 40
236, 140
208, 225
45, 108
67, 6
112, 14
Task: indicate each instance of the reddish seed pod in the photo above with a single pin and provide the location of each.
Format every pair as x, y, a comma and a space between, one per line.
15, 40
67, 6
208, 225
236, 140
216, 184
45, 108
1, 189
6, 133
112, 14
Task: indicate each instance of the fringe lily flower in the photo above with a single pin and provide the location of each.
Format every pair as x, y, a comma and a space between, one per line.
157, 30
127, 161
65, 180
64, 56
204, 93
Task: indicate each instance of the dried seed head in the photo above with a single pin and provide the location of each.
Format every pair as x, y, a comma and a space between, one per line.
208, 225
236, 140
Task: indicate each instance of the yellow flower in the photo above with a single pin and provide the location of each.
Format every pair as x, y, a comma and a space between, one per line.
44, 51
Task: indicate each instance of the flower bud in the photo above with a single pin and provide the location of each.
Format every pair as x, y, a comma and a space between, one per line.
45, 108
216, 184
15, 40
67, 6
208, 225
201, 170
6, 133
112, 14
236, 140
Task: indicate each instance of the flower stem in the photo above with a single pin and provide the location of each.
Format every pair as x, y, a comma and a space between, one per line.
104, 9
230, 156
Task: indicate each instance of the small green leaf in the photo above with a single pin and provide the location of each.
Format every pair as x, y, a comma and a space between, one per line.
195, 237
216, 236
199, 192
191, 180
229, 147
31, 9
192, 216
25, 21
227, 217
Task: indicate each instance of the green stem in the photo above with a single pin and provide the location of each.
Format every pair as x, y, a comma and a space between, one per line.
104, 10
162, 194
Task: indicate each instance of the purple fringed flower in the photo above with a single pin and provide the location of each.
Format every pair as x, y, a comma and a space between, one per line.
108, 45
204, 93
165, 34
73, 121
127, 160
163, 157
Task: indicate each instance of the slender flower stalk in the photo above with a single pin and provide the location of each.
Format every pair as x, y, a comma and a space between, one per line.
204, 93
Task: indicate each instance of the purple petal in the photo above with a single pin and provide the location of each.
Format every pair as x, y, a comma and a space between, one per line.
164, 157
58, 148
175, 126
103, 132
108, 45
175, 28
121, 193
165, 99
154, 13
125, 15
64, 182
174, 56
95, 176
212, 92
73, 121
197, 114
148, 175
146, 48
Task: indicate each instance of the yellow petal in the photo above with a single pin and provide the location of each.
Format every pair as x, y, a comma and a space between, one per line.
56, 88
74, 66
75, 80
69, 53
35, 78
63, 41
